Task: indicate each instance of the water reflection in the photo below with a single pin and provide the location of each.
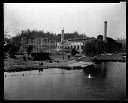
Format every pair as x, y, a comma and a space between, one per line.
107, 82
41, 70
98, 70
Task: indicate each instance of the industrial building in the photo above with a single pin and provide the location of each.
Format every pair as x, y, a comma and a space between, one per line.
69, 44
44, 45
39, 45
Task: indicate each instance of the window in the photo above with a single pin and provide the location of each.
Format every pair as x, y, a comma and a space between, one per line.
75, 47
78, 47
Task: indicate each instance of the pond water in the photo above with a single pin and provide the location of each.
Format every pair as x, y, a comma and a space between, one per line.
109, 83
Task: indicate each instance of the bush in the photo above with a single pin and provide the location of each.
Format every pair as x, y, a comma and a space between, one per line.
74, 52
41, 56
29, 49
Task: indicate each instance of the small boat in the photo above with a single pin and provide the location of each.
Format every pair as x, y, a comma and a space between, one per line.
89, 76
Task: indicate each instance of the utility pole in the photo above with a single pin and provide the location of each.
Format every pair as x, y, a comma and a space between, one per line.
63, 51
62, 42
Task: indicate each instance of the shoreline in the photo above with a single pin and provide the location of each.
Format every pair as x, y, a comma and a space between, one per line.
11, 65
111, 58
40, 68
61, 65
108, 60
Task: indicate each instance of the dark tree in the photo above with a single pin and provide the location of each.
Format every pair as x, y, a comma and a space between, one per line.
113, 46
96, 47
16, 41
51, 36
90, 48
7, 47
6, 40
29, 49
24, 58
12, 51
100, 47
74, 52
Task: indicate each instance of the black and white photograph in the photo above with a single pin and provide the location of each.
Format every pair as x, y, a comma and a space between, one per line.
64, 51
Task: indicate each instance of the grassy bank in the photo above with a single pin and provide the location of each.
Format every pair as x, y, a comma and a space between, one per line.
57, 62
62, 65
20, 65
109, 57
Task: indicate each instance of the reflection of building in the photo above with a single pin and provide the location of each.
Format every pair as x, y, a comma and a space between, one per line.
39, 45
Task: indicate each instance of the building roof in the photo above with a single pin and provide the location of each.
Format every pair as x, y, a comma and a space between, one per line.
69, 42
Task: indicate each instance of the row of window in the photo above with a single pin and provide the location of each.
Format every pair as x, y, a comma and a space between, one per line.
53, 44
45, 47
38, 41
71, 47
43, 50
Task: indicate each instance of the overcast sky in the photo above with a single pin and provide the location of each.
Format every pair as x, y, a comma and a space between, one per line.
85, 18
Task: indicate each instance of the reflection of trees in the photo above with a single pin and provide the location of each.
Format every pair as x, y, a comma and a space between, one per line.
98, 70
98, 81
104, 70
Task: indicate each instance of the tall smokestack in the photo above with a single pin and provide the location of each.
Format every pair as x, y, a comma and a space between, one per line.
105, 30
62, 35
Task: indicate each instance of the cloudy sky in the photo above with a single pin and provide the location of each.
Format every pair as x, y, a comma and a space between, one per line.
85, 18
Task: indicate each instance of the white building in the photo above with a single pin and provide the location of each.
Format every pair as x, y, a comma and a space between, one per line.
69, 45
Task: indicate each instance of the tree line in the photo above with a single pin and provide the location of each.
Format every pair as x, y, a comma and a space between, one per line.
92, 48
15, 42
32, 34
96, 47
